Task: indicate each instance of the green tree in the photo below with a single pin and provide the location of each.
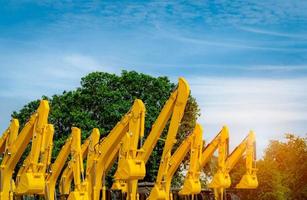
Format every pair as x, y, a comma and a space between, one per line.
281, 173
101, 101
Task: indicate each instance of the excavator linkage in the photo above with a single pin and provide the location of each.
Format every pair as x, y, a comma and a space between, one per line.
85, 180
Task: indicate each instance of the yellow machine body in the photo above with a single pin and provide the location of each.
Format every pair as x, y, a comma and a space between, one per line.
9, 136
248, 181
221, 179
87, 150
173, 110
192, 183
192, 143
107, 150
31, 183
35, 129
37, 176
220, 142
78, 196
31, 176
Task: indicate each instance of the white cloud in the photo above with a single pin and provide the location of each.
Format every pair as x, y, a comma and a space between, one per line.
273, 33
271, 107
276, 68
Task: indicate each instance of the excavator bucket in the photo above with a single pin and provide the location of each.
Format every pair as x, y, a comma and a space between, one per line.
120, 185
248, 181
78, 196
158, 194
31, 183
220, 180
191, 186
134, 169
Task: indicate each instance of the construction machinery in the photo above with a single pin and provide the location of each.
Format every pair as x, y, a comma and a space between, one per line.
173, 110
31, 176
221, 179
80, 185
220, 142
9, 136
131, 125
193, 142
87, 151
71, 146
37, 176
192, 184
32, 181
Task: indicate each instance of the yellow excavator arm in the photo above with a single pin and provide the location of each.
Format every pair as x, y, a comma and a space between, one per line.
55, 170
174, 110
193, 143
9, 136
106, 151
221, 179
80, 190
87, 150
249, 179
220, 142
177, 114
192, 183
31, 175
71, 146
3, 140
34, 127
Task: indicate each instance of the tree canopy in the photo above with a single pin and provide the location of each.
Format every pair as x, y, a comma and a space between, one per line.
102, 100
282, 173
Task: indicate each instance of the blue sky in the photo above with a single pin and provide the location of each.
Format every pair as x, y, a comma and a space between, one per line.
246, 61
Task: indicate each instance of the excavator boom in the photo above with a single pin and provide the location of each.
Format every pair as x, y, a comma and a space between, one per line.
192, 183
107, 149
221, 179
87, 150
34, 127
80, 191
220, 142
174, 109
192, 143
9, 136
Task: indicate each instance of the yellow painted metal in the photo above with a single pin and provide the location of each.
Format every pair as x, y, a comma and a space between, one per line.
35, 127
134, 168
158, 192
9, 136
192, 183
94, 139
87, 151
193, 143
31, 175
81, 187
6, 141
56, 169
221, 178
124, 142
220, 142
174, 110
249, 179
106, 151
